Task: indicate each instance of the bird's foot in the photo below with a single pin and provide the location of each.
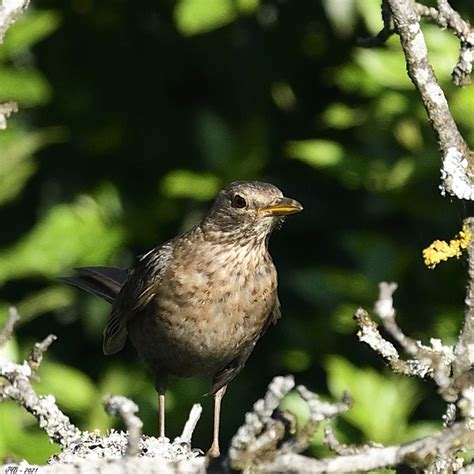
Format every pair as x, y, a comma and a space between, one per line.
214, 451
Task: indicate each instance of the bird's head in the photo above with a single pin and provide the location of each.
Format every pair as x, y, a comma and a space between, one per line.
249, 209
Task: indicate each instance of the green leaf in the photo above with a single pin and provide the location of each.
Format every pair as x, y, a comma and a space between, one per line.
385, 67
51, 298
17, 165
317, 153
340, 116
188, 184
28, 30
199, 16
73, 390
341, 15
28, 87
369, 10
21, 437
382, 403
69, 234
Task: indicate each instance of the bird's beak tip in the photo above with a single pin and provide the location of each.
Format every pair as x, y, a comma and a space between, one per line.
283, 207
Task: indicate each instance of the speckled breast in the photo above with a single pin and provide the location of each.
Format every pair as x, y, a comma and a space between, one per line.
207, 312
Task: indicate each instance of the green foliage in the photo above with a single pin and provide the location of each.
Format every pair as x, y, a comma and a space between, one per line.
75, 396
383, 403
186, 184
29, 29
17, 165
317, 153
80, 232
20, 437
129, 125
198, 16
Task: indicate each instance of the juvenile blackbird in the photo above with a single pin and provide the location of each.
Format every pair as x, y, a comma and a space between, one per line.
197, 304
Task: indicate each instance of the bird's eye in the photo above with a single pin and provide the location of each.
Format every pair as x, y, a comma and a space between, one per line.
238, 201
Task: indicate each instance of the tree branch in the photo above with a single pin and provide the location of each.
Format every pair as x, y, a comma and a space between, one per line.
403, 16
126, 409
57, 425
7, 331
464, 351
420, 454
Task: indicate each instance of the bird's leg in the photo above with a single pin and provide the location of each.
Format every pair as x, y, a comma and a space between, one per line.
161, 414
161, 382
214, 451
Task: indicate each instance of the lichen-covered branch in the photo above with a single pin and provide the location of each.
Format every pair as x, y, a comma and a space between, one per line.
6, 110
403, 17
7, 331
269, 440
57, 425
456, 153
17, 386
126, 409
10, 10
268, 434
433, 361
190, 425
446, 17
435, 453
464, 351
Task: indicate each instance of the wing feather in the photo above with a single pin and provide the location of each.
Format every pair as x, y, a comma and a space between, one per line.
141, 286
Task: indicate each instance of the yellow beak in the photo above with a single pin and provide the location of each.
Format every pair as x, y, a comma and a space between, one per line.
283, 207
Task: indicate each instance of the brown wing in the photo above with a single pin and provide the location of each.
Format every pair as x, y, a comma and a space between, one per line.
142, 284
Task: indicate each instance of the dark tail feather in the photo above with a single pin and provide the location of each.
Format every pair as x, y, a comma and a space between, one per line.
104, 282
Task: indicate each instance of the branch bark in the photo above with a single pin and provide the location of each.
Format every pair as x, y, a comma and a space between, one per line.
403, 17
464, 350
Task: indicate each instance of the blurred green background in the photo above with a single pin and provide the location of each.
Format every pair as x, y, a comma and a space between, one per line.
133, 115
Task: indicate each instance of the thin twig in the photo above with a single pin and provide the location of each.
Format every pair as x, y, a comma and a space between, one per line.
7, 331
384, 309
420, 454
36, 355
384, 34
126, 409
190, 425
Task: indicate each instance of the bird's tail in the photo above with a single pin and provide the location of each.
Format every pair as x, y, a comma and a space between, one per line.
104, 282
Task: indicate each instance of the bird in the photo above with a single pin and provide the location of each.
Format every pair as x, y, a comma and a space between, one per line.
197, 304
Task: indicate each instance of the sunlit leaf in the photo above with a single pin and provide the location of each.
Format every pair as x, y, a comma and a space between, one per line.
385, 67
28, 30
341, 15
188, 184
199, 16
74, 391
51, 298
382, 403
370, 13
317, 153
68, 235
16, 163
21, 437
28, 87
340, 116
